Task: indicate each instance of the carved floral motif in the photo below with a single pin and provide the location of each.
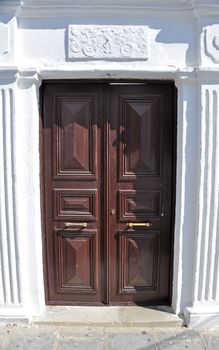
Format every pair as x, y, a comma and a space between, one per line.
211, 41
108, 42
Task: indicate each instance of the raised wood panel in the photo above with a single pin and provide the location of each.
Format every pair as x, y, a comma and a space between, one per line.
139, 262
136, 205
74, 146
74, 273
140, 136
77, 204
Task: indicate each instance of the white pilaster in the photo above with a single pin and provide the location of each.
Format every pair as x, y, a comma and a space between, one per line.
186, 189
10, 275
205, 309
21, 272
28, 174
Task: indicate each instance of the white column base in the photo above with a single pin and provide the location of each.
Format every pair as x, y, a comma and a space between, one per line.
200, 316
13, 314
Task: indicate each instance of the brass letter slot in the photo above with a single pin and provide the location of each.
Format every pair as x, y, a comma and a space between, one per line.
139, 224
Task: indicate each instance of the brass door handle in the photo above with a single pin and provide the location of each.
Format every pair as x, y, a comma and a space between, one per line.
75, 224
139, 224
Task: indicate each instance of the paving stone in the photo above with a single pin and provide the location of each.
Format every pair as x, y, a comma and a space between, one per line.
25, 339
80, 332
80, 343
178, 340
5, 330
130, 341
2, 340
211, 340
94, 338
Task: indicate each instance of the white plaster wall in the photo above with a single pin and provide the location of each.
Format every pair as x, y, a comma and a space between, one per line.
8, 26
182, 47
43, 42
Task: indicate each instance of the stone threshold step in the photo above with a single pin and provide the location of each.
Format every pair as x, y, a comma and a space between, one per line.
112, 316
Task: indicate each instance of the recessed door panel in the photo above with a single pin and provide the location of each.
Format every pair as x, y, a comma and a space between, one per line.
75, 141
74, 274
139, 250
137, 205
77, 204
140, 120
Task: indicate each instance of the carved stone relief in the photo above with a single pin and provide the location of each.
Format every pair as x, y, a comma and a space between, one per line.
211, 41
4, 44
108, 42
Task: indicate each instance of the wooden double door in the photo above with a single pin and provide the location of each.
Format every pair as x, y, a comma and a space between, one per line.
108, 162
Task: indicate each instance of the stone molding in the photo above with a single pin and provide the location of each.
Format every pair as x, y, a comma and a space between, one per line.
68, 8
202, 316
28, 77
8, 74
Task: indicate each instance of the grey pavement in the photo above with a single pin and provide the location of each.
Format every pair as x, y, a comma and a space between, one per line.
50, 337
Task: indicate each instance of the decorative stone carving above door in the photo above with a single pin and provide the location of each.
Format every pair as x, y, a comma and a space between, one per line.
107, 42
211, 40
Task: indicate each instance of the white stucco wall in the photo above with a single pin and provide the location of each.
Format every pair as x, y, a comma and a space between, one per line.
183, 45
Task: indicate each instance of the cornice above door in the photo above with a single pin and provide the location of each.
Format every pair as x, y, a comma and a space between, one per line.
69, 8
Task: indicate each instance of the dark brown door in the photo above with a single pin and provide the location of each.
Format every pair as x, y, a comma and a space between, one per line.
140, 191
108, 185
72, 164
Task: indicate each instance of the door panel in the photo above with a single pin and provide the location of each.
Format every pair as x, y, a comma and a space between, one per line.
140, 119
138, 250
76, 275
140, 183
108, 192
75, 204
75, 141
72, 126
139, 204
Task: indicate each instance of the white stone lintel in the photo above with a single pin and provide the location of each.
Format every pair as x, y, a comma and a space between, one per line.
36, 75
118, 71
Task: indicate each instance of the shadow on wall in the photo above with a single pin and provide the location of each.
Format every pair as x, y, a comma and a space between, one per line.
175, 33
161, 32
